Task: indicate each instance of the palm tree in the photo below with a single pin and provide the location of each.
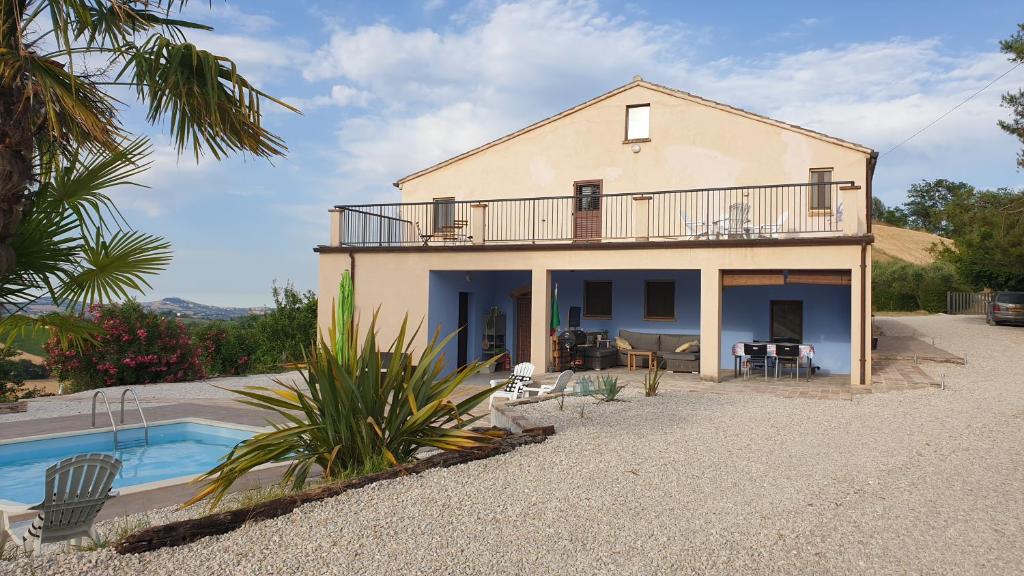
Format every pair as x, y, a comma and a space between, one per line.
74, 245
60, 58
62, 143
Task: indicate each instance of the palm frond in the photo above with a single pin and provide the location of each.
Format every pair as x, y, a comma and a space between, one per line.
114, 266
208, 105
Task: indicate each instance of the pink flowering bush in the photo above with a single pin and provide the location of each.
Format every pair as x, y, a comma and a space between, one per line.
133, 347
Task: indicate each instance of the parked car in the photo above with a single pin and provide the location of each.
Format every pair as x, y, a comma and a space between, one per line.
1007, 308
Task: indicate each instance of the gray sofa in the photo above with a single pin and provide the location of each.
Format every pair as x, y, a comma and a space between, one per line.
664, 345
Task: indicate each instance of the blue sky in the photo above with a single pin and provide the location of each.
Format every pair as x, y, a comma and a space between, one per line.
385, 88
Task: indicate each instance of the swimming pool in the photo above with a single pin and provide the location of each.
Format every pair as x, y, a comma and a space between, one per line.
175, 450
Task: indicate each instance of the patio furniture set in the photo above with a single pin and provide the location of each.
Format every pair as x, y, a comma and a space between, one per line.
766, 356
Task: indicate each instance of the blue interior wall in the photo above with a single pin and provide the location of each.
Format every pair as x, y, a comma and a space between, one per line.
746, 316
486, 289
628, 299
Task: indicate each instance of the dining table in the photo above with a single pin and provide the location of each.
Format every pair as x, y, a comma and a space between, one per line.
806, 354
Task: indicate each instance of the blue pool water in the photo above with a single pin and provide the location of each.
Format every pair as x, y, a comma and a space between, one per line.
180, 449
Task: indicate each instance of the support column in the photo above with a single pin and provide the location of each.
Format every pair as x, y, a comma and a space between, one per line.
860, 323
478, 226
642, 218
336, 230
540, 319
710, 324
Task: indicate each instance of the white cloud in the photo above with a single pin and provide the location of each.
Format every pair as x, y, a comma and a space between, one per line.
341, 96
442, 92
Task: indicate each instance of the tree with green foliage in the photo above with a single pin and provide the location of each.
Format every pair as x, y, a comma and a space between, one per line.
927, 201
895, 216
62, 141
988, 229
903, 286
1014, 48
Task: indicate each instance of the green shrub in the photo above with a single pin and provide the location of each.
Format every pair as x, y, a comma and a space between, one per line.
902, 286
348, 414
13, 374
652, 380
260, 343
610, 388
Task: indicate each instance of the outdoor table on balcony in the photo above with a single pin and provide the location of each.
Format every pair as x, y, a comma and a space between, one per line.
806, 353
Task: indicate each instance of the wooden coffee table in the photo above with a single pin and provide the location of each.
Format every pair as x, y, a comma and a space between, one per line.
632, 355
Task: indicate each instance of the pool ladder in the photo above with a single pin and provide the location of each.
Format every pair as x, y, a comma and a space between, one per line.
124, 394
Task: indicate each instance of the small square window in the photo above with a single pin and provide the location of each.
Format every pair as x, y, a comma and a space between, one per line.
659, 300
638, 122
821, 189
597, 299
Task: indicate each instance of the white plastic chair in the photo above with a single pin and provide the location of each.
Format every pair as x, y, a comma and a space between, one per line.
521, 377
774, 230
694, 228
558, 387
76, 490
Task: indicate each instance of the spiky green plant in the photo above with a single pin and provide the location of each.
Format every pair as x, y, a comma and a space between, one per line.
610, 388
344, 314
652, 380
348, 412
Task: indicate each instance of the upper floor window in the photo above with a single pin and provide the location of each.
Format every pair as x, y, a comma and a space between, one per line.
821, 188
444, 214
638, 122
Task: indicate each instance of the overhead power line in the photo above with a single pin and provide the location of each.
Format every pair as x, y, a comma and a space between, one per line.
954, 108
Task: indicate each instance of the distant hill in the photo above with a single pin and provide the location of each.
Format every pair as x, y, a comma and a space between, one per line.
894, 243
177, 307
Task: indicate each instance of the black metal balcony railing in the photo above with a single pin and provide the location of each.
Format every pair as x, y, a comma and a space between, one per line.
769, 211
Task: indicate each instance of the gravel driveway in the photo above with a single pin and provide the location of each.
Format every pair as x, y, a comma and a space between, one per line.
928, 481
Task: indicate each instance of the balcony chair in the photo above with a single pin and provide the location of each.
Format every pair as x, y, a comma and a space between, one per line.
756, 356
737, 223
773, 230
693, 228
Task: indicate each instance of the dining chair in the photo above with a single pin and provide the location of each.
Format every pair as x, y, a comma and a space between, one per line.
787, 354
756, 357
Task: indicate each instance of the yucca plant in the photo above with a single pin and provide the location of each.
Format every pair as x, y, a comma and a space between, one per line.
348, 414
652, 380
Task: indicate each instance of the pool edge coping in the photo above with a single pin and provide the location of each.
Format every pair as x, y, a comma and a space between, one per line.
18, 508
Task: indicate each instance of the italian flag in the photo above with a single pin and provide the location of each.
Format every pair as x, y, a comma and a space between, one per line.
556, 320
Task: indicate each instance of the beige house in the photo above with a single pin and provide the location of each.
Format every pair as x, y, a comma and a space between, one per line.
650, 211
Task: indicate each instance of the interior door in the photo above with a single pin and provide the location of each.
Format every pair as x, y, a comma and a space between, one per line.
524, 305
463, 329
787, 319
586, 222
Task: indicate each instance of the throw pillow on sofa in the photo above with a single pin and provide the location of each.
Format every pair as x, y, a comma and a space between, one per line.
622, 344
686, 346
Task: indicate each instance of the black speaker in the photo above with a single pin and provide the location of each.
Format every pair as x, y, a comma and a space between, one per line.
574, 316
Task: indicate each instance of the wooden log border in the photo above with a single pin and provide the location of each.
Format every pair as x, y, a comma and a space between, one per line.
187, 531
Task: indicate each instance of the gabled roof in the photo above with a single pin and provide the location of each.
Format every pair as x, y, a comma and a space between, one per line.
640, 82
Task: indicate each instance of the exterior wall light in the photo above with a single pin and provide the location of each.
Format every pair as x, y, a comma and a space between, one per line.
635, 148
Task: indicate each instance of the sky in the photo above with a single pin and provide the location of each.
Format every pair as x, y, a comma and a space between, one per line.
385, 88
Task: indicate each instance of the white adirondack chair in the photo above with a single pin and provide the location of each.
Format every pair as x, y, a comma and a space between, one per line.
76, 489
520, 378
559, 386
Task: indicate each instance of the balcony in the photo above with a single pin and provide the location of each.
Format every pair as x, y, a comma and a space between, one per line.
768, 212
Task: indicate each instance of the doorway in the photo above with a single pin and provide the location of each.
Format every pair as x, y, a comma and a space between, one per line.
586, 220
524, 304
787, 320
463, 329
